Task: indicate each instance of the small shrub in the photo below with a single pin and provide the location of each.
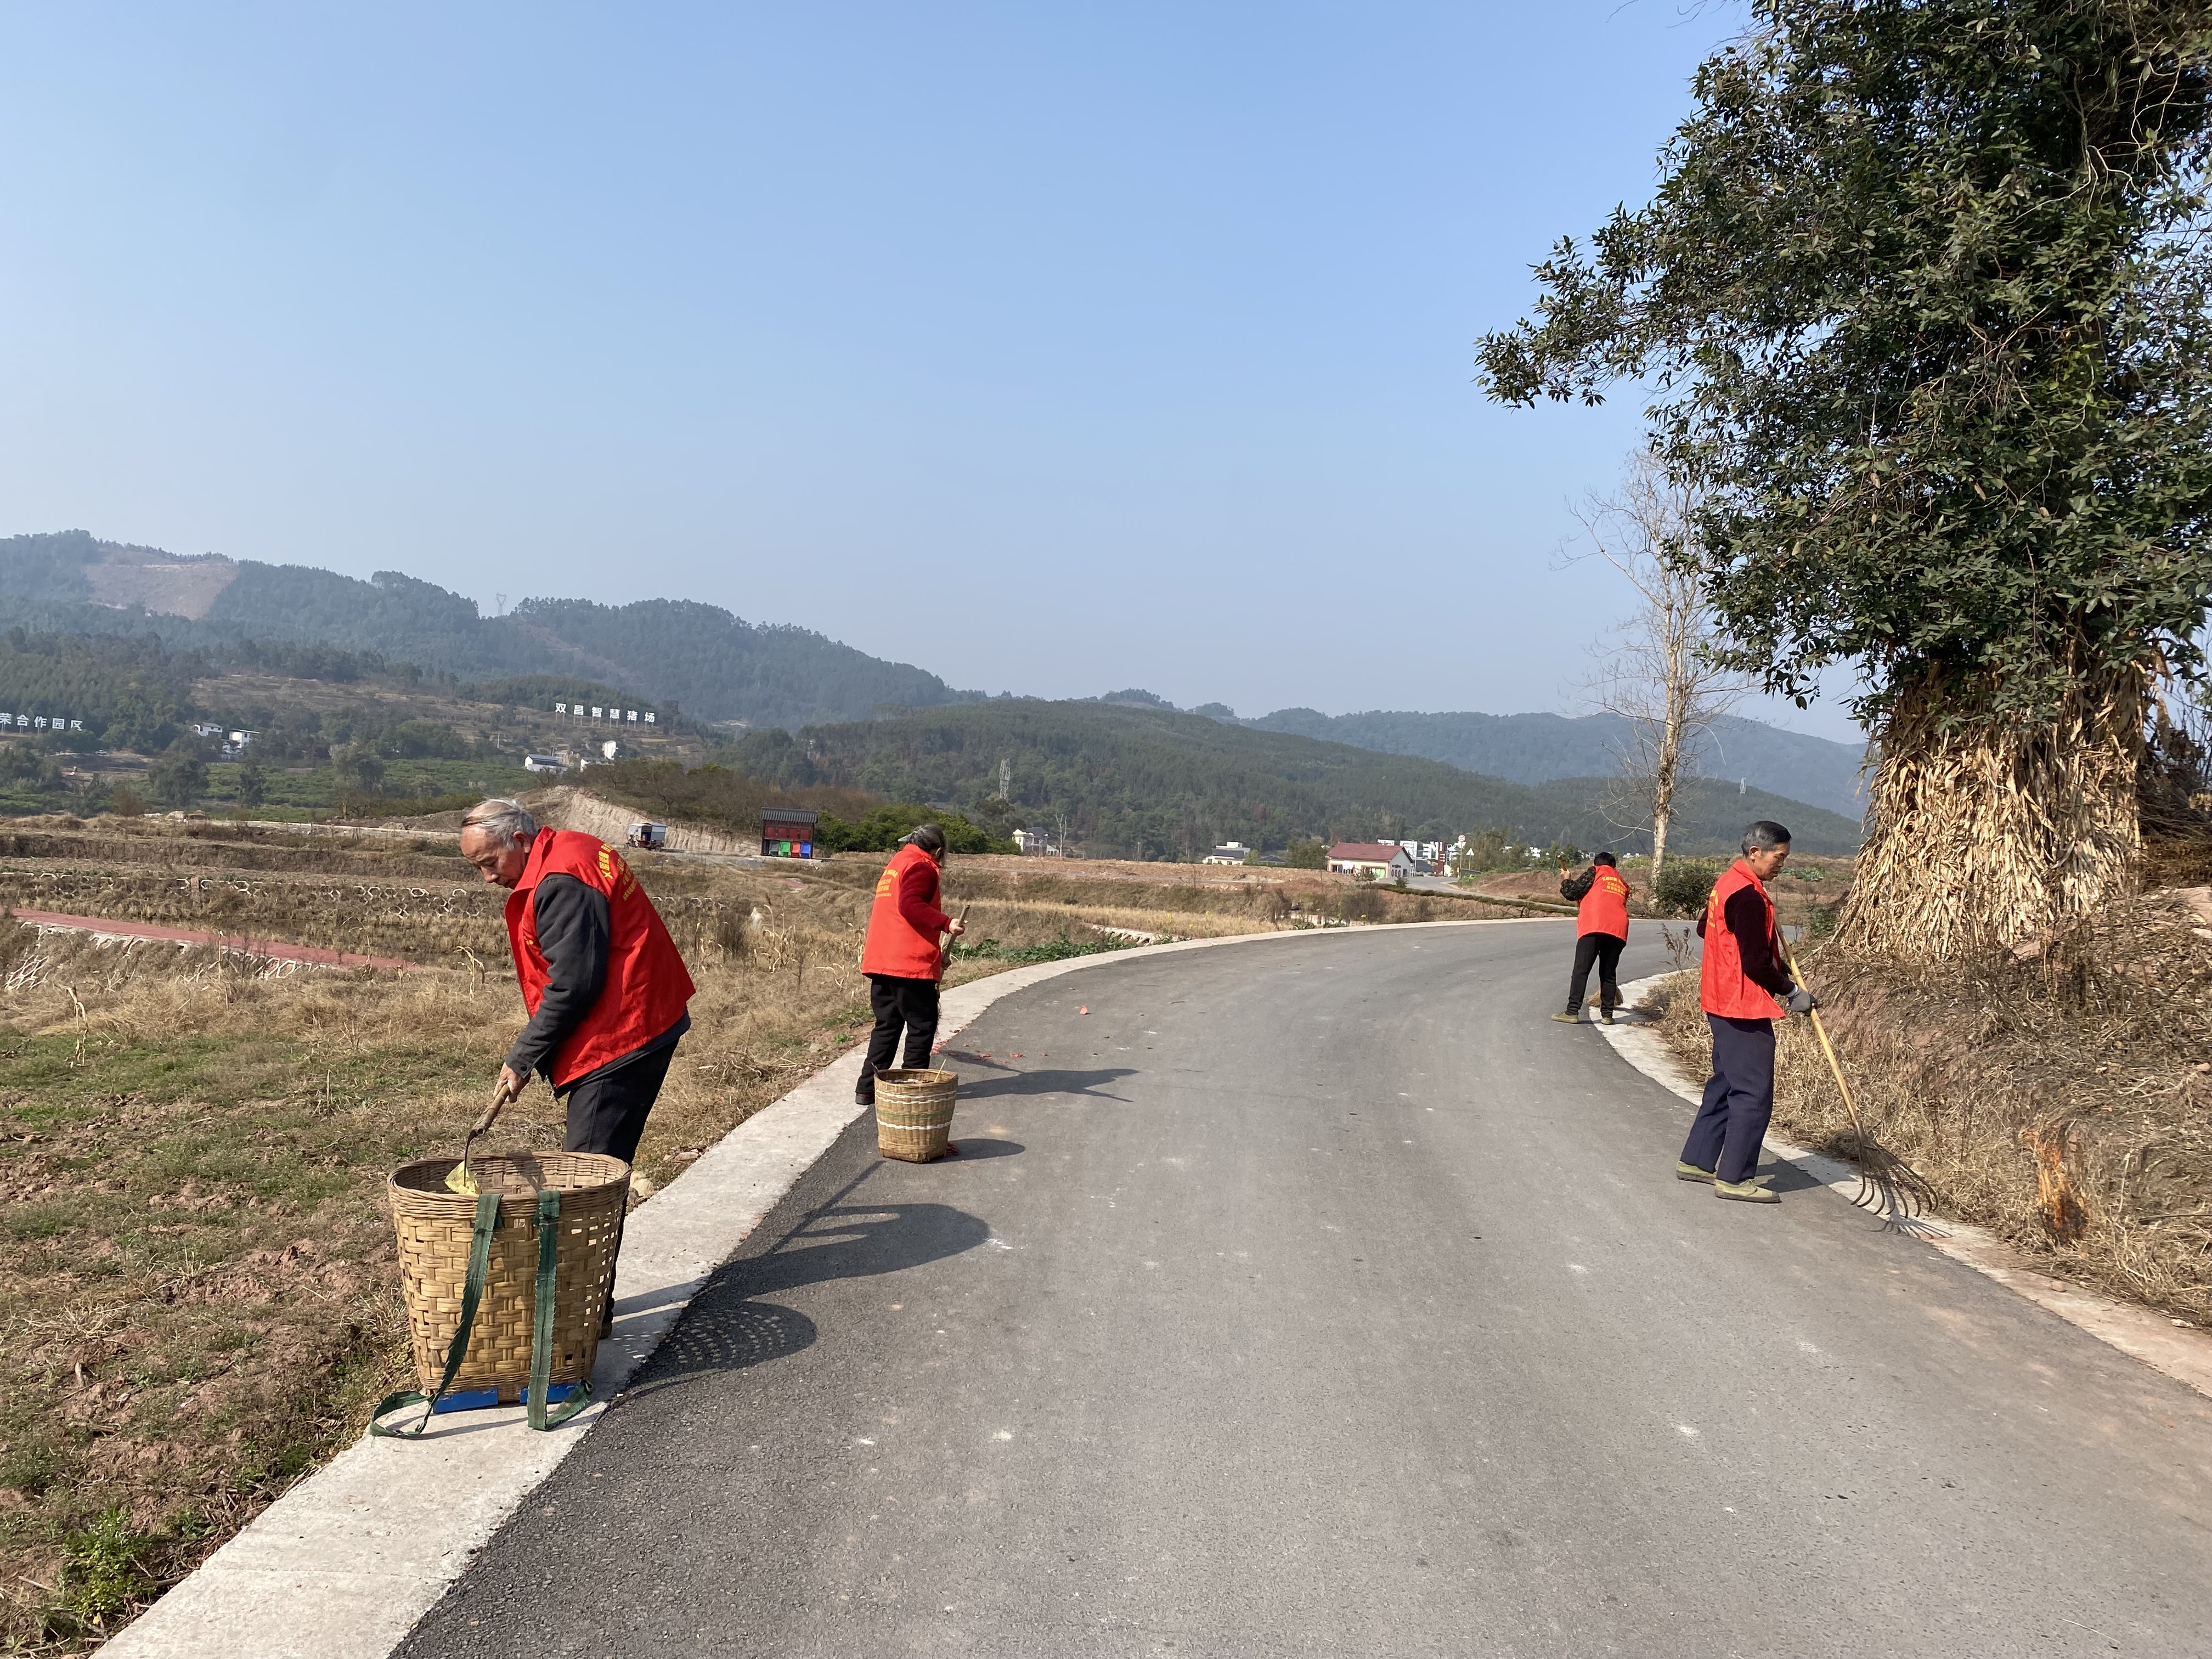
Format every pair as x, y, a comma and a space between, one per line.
1685, 885
1360, 904
103, 1571
735, 934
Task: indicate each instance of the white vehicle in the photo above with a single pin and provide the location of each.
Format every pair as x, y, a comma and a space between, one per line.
648, 834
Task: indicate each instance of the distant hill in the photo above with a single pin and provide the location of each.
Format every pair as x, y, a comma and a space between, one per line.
717, 668
1537, 748
1137, 780
714, 666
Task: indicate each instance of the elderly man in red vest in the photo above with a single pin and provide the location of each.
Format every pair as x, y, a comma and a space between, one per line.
1600, 894
606, 991
902, 957
1743, 988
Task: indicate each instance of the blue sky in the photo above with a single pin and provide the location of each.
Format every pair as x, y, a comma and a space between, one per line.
1056, 348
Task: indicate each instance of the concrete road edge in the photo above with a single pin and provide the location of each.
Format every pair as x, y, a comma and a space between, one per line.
2181, 1353
344, 1565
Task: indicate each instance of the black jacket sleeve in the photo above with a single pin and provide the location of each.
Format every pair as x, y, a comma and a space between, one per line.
1746, 919
1573, 888
574, 929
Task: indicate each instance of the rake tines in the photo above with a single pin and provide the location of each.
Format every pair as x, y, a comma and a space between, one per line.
1888, 1186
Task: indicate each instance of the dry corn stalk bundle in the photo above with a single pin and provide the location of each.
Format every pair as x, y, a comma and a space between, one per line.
1993, 832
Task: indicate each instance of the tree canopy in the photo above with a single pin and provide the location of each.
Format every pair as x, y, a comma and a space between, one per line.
1923, 295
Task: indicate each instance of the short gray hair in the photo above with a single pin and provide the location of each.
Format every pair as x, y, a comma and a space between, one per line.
502, 820
1765, 836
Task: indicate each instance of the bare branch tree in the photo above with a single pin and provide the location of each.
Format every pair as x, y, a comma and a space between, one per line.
1655, 671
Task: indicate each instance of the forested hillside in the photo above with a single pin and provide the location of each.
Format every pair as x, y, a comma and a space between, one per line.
1141, 782
714, 666
1536, 748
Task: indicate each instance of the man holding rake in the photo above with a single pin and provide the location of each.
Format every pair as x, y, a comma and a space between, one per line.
1743, 988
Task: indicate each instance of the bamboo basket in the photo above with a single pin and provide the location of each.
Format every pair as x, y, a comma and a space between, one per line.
435, 1226
913, 1114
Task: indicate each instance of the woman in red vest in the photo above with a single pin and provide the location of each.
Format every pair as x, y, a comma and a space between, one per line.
1600, 896
606, 990
1742, 988
901, 958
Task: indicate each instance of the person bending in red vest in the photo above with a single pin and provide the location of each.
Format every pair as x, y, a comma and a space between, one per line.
1742, 987
607, 993
1601, 929
901, 958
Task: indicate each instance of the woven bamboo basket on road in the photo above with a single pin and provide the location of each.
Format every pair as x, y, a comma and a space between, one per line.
435, 1226
913, 1114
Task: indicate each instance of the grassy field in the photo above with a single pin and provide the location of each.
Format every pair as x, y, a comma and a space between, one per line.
197, 1293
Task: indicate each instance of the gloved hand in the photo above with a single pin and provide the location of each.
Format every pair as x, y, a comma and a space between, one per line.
1800, 1000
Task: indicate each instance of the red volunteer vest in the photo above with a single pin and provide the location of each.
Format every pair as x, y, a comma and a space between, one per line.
1722, 988
894, 946
647, 985
1604, 908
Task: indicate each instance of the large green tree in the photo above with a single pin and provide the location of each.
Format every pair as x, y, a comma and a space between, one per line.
1923, 293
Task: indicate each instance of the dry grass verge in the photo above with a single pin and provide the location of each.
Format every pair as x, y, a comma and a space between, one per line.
2064, 1103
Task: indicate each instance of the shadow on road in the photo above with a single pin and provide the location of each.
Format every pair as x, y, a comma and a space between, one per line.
1044, 1081
1782, 1176
724, 1333
970, 1149
728, 1327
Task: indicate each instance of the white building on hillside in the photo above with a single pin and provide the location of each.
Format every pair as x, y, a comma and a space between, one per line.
1383, 860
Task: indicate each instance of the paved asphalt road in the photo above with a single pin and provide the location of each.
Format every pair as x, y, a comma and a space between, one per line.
1322, 1298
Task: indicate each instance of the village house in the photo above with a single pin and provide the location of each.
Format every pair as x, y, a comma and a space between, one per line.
1232, 852
1380, 860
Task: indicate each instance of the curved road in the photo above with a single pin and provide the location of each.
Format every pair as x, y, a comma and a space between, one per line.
1323, 1297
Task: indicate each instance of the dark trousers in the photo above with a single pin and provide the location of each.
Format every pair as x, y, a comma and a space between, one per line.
607, 1113
1604, 950
1739, 1099
907, 1003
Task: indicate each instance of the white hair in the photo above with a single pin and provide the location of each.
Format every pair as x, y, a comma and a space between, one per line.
502, 820
1764, 836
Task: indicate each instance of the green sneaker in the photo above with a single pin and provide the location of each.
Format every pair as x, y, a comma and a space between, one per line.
1691, 1172
1568, 1019
1744, 1192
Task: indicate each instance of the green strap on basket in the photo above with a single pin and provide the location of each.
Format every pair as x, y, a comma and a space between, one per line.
541, 1322
541, 1326
471, 1293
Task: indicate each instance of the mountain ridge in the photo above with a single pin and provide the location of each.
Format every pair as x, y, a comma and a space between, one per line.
720, 669
715, 665
1133, 780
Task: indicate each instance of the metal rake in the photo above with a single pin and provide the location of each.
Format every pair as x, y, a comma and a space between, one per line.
1888, 1186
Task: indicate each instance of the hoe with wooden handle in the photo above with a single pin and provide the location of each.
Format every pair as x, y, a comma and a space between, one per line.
1888, 1186
458, 1178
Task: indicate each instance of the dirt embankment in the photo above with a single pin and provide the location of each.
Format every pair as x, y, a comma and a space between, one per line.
2064, 1101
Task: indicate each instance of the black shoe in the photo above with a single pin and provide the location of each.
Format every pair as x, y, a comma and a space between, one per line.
864, 1097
